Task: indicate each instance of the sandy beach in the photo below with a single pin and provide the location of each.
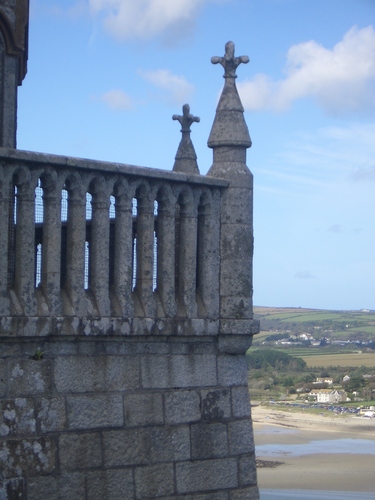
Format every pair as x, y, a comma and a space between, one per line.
354, 471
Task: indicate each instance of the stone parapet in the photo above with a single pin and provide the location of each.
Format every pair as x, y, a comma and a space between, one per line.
95, 248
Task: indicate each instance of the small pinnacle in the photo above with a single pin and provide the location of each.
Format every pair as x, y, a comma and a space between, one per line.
186, 158
229, 62
186, 119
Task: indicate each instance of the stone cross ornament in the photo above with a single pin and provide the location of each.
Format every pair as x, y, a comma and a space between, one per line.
186, 119
229, 62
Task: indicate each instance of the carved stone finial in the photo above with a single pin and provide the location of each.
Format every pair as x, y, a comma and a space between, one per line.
186, 158
229, 62
186, 119
229, 128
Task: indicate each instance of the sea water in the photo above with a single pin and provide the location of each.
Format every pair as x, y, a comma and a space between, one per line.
314, 495
340, 446
346, 445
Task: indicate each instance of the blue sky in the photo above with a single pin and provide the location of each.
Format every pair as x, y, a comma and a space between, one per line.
105, 77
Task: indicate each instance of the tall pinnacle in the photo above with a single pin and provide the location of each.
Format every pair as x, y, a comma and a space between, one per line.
229, 127
186, 158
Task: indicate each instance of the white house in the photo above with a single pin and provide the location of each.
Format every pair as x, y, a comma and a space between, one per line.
306, 336
330, 396
323, 380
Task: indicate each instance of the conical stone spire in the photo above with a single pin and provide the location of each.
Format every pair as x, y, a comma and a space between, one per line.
229, 127
229, 139
186, 158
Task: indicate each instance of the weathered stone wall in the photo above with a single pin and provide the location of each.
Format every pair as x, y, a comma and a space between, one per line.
103, 418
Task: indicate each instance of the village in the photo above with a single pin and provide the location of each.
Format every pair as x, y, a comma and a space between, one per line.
336, 409
334, 395
308, 339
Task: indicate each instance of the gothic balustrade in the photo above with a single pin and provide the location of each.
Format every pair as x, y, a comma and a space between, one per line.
91, 247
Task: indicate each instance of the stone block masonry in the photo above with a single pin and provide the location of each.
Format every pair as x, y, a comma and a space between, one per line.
94, 426
125, 313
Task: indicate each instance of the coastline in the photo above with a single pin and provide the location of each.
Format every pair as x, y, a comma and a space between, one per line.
353, 471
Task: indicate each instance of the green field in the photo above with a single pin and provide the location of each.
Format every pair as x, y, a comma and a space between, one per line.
338, 325
355, 326
339, 343
299, 314
349, 359
328, 351
325, 357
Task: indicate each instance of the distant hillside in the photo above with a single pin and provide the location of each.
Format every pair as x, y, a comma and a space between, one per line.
320, 324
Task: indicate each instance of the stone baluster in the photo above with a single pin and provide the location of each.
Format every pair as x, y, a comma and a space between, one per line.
123, 251
25, 243
99, 248
188, 258
5, 188
166, 255
51, 258
209, 257
145, 254
75, 258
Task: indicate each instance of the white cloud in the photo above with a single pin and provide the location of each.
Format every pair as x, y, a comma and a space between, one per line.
178, 87
332, 164
144, 18
364, 174
304, 275
117, 99
342, 80
77, 9
336, 228
333, 154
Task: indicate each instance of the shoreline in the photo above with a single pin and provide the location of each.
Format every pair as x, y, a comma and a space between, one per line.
313, 471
